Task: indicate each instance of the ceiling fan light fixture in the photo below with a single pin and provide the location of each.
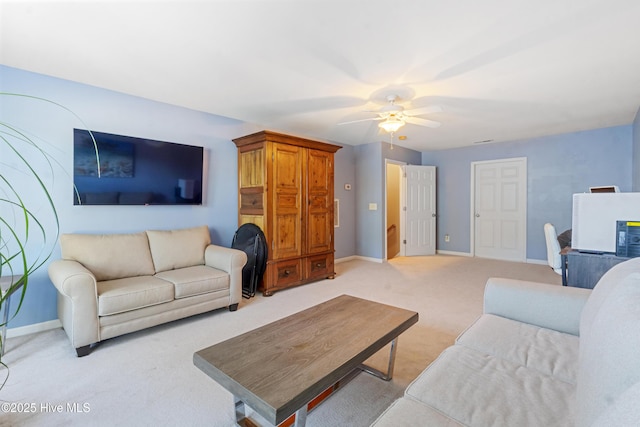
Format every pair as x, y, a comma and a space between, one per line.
391, 124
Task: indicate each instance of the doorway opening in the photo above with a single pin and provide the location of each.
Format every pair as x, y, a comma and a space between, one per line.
393, 209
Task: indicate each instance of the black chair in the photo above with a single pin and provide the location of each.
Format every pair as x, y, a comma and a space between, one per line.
250, 239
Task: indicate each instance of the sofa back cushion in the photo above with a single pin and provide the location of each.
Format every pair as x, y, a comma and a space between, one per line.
109, 256
171, 249
605, 286
609, 364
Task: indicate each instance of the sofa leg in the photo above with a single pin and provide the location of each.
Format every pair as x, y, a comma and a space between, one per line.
233, 307
83, 351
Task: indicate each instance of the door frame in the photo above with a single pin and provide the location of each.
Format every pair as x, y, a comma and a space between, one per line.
402, 191
472, 192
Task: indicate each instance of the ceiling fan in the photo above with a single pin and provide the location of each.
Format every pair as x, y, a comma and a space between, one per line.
393, 116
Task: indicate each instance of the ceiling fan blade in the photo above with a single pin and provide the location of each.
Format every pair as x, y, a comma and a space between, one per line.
422, 122
424, 110
361, 120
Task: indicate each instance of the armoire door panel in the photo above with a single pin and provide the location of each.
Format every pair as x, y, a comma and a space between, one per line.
287, 167
319, 240
319, 169
287, 201
286, 236
319, 201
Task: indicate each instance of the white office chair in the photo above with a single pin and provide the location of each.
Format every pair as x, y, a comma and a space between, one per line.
553, 248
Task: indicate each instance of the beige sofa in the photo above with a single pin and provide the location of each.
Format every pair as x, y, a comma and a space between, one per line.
540, 355
113, 284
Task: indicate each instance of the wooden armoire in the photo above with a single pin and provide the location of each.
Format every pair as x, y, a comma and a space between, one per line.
285, 186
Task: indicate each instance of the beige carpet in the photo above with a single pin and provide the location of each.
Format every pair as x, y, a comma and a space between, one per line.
148, 377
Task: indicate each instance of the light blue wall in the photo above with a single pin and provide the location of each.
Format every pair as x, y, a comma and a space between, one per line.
557, 167
368, 189
636, 152
370, 181
118, 113
345, 173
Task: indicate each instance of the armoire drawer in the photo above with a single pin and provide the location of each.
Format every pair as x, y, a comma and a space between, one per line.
319, 266
287, 273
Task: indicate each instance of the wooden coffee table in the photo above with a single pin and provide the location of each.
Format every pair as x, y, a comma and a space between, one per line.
279, 368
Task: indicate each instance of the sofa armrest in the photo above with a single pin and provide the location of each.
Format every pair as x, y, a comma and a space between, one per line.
77, 302
231, 261
541, 304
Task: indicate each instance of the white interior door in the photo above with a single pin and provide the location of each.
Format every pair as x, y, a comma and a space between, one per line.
419, 231
499, 209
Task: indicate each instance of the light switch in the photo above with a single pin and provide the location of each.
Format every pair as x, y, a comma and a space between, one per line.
373, 206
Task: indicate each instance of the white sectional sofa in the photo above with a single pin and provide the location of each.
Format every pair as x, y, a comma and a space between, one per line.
540, 355
113, 284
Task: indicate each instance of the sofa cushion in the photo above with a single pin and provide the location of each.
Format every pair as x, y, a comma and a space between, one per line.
109, 256
196, 280
609, 361
547, 351
607, 283
407, 412
118, 296
171, 249
477, 389
625, 411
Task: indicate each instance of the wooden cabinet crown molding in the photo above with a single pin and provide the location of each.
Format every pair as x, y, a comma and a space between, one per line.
281, 138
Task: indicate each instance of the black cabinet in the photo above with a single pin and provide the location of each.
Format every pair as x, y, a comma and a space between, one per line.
585, 269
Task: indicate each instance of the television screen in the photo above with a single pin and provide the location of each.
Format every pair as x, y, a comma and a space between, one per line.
135, 171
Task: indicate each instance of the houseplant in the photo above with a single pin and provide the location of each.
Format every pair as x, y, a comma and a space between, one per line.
29, 224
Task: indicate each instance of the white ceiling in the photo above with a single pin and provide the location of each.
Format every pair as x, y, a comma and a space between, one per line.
500, 69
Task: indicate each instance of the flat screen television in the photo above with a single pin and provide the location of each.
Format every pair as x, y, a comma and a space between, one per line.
135, 171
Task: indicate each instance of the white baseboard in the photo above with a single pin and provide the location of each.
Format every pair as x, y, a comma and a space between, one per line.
345, 259
467, 254
353, 257
32, 329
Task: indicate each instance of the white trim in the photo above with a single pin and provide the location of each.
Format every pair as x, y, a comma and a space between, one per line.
345, 259
32, 329
355, 257
537, 261
467, 254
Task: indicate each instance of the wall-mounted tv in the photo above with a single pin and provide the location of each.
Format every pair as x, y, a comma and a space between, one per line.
135, 171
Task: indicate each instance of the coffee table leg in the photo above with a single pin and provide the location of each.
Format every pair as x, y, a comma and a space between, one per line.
242, 420
241, 415
392, 360
239, 404
301, 417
